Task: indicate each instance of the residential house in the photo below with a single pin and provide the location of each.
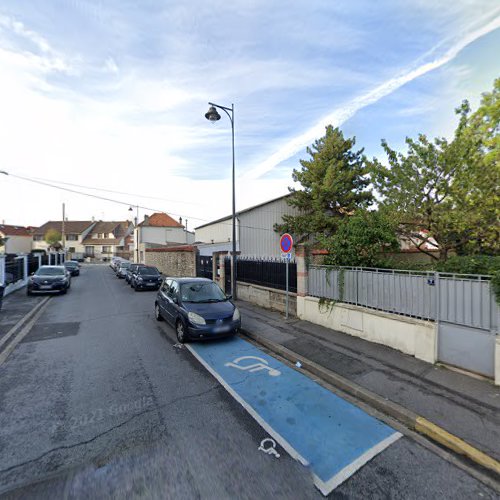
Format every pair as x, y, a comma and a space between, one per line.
159, 230
17, 239
108, 239
255, 234
74, 234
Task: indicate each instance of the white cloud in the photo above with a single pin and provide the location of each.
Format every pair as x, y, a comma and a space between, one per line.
343, 113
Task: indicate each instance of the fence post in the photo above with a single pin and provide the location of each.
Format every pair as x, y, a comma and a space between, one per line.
302, 270
39, 260
2, 270
25, 267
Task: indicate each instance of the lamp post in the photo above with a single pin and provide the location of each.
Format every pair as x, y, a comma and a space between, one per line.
213, 116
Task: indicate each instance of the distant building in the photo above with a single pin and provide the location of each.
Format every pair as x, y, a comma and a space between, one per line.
255, 234
108, 239
17, 239
159, 230
74, 231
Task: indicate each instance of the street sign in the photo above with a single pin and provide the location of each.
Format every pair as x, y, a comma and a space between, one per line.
286, 243
286, 256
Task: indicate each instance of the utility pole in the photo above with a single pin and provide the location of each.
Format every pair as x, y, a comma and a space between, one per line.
63, 236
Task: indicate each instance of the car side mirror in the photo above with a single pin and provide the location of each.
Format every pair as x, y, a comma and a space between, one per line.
228, 296
32, 274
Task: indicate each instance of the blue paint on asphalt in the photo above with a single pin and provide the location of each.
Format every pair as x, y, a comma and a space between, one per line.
333, 436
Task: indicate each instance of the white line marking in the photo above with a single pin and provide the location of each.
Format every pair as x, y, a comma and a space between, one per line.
327, 487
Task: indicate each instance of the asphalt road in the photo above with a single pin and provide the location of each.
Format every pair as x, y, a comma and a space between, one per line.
97, 402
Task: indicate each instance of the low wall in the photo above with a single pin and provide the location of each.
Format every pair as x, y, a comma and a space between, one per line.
173, 261
411, 336
270, 298
497, 360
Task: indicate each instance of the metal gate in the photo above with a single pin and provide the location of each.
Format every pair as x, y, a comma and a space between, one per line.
227, 275
204, 266
468, 318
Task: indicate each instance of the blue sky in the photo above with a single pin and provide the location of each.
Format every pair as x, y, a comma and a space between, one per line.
113, 94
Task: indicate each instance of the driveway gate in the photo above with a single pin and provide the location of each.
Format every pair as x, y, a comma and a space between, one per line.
468, 318
204, 266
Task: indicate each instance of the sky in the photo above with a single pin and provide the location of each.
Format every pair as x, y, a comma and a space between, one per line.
112, 95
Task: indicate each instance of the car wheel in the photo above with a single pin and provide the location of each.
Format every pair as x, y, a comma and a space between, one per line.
180, 331
158, 313
136, 288
28, 293
64, 291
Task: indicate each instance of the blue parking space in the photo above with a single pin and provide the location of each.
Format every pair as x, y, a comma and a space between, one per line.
326, 433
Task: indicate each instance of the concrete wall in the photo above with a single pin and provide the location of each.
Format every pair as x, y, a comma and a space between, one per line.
270, 298
164, 235
174, 261
219, 232
411, 336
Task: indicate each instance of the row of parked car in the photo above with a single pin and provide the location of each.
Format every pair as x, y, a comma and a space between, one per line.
195, 307
138, 276
53, 279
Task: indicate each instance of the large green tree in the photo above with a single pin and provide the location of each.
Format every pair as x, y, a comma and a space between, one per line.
447, 191
333, 183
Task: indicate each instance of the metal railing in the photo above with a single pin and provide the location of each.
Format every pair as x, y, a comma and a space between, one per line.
266, 272
14, 271
462, 299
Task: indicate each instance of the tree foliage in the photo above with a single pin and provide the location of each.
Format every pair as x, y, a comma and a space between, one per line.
334, 182
361, 240
449, 189
53, 237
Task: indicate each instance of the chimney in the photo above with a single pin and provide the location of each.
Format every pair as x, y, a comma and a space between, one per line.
93, 219
180, 221
146, 220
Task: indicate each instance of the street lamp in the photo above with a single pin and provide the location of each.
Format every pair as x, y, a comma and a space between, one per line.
213, 115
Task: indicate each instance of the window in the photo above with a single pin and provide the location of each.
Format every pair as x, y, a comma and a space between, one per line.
106, 249
166, 286
71, 249
72, 237
37, 237
100, 235
174, 289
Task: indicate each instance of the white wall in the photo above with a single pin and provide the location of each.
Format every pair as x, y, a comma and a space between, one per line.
411, 336
17, 244
163, 235
219, 232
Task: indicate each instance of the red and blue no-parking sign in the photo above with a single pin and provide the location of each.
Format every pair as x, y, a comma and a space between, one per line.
286, 243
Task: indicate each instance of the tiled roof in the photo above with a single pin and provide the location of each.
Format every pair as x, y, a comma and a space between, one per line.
70, 226
118, 228
9, 230
159, 219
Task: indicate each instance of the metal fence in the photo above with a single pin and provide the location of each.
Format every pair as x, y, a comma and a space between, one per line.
32, 263
270, 273
463, 299
14, 271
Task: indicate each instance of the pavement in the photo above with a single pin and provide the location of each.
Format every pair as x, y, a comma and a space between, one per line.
97, 400
464, 406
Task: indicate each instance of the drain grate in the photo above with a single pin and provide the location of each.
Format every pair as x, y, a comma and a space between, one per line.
52, 331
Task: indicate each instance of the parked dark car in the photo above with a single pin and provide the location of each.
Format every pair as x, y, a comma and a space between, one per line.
49, 279
146, 278
130, 271
73, 267
121, 268
197, 308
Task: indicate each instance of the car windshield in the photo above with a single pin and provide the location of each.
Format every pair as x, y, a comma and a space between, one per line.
125, 265
202, 292
70, 264
148, 271
50, 271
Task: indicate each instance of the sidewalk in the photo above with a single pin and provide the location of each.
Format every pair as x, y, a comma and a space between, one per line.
462, 405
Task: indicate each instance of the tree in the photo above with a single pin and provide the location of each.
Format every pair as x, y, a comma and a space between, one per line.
447, 191
334, 182
53, 237
361, 240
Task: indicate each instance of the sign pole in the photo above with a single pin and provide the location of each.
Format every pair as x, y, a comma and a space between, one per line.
286, 300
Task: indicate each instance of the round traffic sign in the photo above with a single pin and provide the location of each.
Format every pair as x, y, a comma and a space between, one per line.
286, 243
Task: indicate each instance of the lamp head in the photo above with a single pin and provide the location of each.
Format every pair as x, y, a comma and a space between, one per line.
212, 114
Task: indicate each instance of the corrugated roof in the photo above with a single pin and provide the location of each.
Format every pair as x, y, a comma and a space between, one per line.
160, 219
70, 226
229, 217
10, 230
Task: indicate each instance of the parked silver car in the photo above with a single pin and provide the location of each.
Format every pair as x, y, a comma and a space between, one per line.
121, 269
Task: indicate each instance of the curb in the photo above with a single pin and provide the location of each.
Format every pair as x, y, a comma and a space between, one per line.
22, 321
406, 417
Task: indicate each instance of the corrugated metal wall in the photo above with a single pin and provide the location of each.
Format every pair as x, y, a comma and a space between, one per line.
258, 238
